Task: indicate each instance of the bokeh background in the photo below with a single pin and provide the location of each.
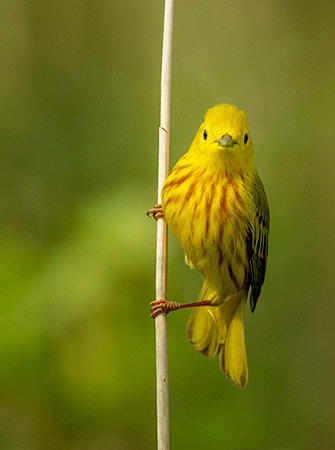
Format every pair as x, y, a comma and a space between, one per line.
79, 114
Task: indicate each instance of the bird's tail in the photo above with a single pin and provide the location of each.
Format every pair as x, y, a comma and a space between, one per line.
220, 330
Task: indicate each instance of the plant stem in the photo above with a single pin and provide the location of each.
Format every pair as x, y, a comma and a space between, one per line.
163, 436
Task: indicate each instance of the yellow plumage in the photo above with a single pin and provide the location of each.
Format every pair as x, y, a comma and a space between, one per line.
214, 202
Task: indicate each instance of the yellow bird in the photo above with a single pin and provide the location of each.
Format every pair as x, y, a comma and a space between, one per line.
214, 202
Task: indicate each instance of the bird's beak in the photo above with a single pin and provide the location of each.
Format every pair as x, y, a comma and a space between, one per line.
226, 141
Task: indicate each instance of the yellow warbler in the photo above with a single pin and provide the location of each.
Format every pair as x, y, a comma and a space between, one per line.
214, 202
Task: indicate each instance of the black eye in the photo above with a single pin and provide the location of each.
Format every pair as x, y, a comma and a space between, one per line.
246, 137
205, 134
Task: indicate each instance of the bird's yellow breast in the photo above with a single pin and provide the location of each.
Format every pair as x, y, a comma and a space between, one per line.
208, 210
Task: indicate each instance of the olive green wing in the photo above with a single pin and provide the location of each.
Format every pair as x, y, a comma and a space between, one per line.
257, 240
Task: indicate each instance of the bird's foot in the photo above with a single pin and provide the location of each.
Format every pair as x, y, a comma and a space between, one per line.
163, 306
156, 212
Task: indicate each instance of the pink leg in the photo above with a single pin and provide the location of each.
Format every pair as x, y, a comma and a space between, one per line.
163, 306
156, 212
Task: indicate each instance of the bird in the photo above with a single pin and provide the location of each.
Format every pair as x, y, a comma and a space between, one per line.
215, 203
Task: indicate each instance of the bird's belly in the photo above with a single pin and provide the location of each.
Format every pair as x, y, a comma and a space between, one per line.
222, 259
214, 240
209, 214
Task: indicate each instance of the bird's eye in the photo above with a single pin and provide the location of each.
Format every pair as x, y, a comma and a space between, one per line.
246, 137
205, 134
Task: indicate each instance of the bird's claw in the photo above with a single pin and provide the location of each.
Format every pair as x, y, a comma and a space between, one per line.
162, 306
156, 212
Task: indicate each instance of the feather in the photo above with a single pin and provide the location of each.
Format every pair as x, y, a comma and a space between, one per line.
257, 241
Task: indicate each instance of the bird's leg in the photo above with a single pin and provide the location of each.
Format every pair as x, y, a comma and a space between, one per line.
164, 306
156, 212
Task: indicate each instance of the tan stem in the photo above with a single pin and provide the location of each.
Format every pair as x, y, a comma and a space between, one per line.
163, 434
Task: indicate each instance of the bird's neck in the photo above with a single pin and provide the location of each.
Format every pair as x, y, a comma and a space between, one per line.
228, 164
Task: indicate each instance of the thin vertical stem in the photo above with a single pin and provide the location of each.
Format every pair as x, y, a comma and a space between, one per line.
163, 436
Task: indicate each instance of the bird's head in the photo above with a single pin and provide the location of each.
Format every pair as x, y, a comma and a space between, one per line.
223, 138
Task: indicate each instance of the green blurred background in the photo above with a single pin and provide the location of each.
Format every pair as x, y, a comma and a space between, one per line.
79, 114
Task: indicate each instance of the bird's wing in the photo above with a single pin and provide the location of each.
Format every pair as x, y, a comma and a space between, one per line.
257, 241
